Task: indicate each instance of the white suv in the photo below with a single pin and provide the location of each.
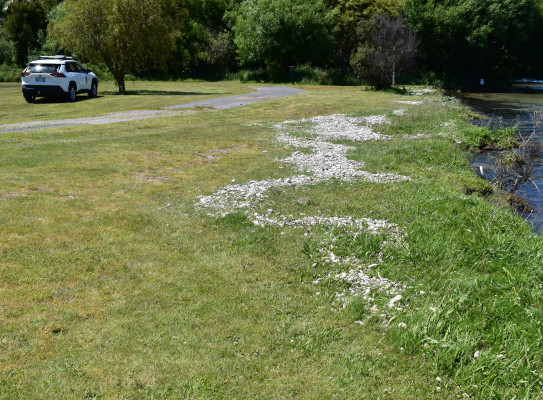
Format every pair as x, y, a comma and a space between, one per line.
57, 76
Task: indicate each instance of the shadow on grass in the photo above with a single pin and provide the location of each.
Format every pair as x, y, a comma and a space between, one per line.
81, 97
159, 93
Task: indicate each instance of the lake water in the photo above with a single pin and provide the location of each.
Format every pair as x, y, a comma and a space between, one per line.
514, 108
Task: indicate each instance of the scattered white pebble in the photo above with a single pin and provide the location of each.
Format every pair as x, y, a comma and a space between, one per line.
415, 103
320, 160
394, 300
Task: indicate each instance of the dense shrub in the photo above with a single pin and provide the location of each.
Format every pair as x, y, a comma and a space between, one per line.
9, 73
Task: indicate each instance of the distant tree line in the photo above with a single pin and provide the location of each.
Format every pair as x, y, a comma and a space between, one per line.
452, 43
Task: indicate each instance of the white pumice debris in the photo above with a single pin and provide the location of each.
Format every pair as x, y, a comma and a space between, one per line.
414, 103
394, 300
400, 111
417, 136
357, 225
421, 92
242, 197
329, 161
321, 160
339, 127
326, 161
361, 283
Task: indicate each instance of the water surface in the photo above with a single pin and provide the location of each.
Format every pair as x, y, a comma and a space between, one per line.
513, 108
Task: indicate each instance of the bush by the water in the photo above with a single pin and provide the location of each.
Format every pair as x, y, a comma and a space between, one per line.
304, 74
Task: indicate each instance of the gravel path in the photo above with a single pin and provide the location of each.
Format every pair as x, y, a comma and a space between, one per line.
220, 103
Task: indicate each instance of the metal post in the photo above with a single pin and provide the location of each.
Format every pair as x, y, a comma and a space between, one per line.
393, 66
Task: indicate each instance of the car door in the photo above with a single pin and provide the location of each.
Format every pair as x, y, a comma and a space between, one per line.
75, 75
84, 77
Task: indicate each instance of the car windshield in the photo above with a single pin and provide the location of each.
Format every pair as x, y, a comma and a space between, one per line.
43, 68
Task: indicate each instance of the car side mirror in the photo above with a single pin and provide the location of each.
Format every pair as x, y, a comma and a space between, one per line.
88, 70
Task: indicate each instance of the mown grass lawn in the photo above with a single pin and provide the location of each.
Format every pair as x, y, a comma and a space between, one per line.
114, 285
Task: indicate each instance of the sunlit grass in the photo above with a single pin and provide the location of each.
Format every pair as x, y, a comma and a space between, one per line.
114, 286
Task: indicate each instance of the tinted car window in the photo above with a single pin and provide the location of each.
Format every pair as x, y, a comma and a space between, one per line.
43, 68
70, 67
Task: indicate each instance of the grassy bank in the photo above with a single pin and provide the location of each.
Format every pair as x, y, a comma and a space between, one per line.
116, 283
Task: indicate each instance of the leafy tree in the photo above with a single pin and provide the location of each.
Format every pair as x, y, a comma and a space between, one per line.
387, 47
52, 44
283, 32
465, 40
7, 48
25, 24
206, 42
128, 36
349, 15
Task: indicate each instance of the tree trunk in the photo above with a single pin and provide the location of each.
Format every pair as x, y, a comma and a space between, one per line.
119, 78
120, 83
118, 73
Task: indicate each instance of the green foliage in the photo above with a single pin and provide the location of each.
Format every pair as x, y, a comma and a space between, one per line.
7, 48
25, 24
9, 73
205, 45
52, 43
126, 35
284, 32
465, 40
304, 74
349, 15
462, 41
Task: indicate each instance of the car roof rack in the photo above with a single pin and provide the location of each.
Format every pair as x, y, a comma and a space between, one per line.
57, 57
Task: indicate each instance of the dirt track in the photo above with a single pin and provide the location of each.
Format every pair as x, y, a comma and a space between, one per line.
219, 103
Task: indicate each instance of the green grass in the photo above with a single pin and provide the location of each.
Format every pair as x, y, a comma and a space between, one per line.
114, 286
